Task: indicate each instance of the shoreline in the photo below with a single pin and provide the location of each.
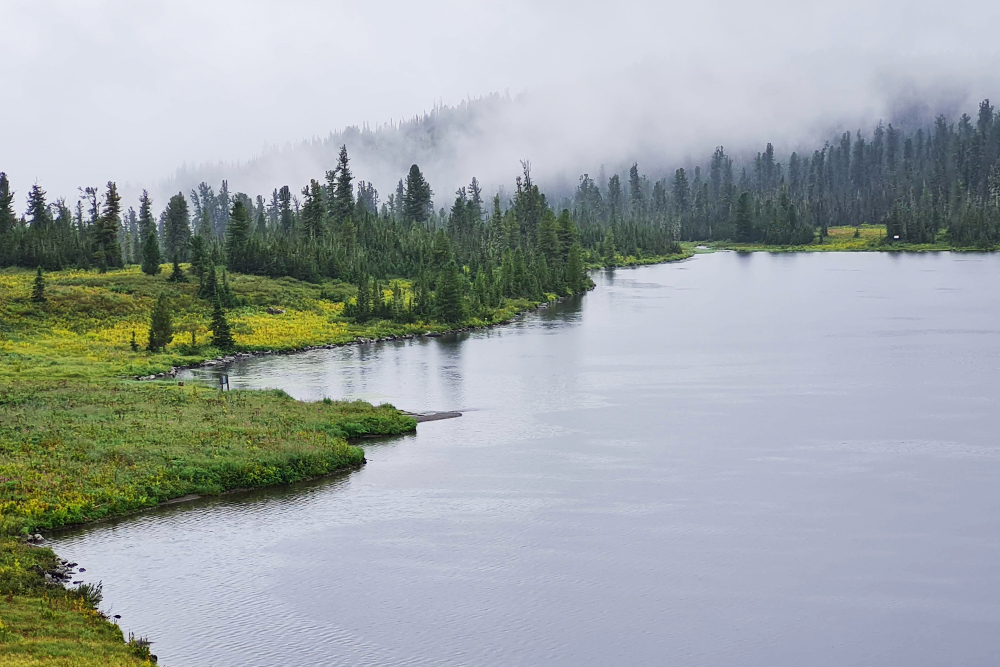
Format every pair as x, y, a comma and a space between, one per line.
359, 340
53, 574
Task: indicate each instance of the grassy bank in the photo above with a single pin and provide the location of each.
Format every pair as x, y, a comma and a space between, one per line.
80, 443
84, 328
73, 451
866, 238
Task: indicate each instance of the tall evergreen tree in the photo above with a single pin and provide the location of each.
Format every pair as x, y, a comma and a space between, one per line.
417, 199
744, 218
176, 227
238, 235
7, 217
177, 274
285, 218
38, 287
147, 224
107, 251
161, 329
449, 298
313, 211
222, 336
151, 255
342, 201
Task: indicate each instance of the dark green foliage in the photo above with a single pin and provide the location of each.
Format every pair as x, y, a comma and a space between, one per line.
38, 287
450, 298
176, 227
237, 236
342, 194
313, 214
151, 255
925, 186
222, 336
199, 255
7, 218
161, 329
107, 251
608, 249
209, 286
417, 199
177, 273
744, 219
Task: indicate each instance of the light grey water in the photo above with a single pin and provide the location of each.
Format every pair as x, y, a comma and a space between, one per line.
737, 460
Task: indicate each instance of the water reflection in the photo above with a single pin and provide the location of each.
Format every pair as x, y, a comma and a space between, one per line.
738, 460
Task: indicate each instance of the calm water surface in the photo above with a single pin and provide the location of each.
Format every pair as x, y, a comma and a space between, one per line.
736, 460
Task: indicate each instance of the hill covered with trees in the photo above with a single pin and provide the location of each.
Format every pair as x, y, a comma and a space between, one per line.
935, 184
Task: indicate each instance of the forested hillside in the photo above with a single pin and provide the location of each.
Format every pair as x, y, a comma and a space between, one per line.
940, 183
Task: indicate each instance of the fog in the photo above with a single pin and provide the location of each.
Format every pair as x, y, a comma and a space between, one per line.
93, 91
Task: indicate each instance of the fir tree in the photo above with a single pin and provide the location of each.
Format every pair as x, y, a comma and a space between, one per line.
417, 199
576, 277
161, 329
449, 298
609, 251
209, 287
7, 217
147, 225
107, 251
176, 227
744, 218
222, 336
199, 255
177, 274
342, 197
312, 212
237, 235
151, 255
38, 287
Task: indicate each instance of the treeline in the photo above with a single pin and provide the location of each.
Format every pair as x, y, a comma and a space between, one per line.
456, 264
920, 183
413, 262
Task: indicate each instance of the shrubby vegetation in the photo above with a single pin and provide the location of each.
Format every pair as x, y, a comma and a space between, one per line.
85, 299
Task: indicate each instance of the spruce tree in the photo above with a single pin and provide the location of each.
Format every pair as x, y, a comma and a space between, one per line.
449, 298
176, 227
107, 251
161, 329
744, 218
576, 276
7, 217
417, 199
38, 287
222, 336
209, 287
237, 234
177, 274
147, 224
198, 255
609, 251
225, 292
342, 201
151, 255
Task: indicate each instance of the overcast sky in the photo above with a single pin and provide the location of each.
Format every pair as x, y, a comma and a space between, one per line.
94, 90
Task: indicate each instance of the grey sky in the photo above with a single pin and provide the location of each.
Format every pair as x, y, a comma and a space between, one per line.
95, 90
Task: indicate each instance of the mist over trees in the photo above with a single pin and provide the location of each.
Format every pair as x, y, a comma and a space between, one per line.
940, 182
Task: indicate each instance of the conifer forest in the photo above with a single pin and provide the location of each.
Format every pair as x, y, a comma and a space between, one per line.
923, 184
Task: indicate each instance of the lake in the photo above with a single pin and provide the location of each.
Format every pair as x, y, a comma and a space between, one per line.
740, 459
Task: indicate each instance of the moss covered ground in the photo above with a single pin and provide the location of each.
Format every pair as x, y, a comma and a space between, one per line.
79, 443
